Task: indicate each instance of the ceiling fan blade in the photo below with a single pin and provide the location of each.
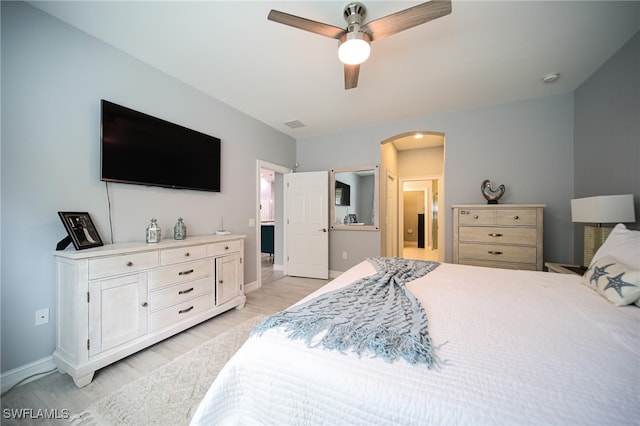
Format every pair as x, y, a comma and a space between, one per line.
306, 24
351, 73
408, 18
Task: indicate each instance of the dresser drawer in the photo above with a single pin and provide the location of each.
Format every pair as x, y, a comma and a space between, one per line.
180, 273
224, 247
175, 314
495, 252
501, 265
515, 217
476, 217
498, 235
178, 293
122, 264
183, 254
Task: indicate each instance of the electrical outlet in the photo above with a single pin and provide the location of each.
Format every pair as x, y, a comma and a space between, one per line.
42, 316
344, 254
252, 222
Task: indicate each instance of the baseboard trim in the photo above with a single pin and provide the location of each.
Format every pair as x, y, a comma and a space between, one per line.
26, 373
334, 274
248, 288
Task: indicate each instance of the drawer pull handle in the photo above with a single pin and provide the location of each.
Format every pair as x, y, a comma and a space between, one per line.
145, 304
494, 252
226, 247
494, 234
185, 272
475, 216
186, 291
516, 217
219, 281
129, 263
187, 254
184, 311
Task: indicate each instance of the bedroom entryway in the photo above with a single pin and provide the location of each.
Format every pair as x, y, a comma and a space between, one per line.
298, 244
270, 214
413, 226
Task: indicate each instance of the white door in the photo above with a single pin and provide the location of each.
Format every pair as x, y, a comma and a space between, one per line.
307, 224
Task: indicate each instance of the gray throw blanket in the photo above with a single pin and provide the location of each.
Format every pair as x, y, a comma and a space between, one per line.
375, 314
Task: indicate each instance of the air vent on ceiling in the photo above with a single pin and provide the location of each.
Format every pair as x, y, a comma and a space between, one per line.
295, 124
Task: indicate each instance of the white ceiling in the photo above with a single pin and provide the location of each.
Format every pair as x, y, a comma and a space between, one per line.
483, 53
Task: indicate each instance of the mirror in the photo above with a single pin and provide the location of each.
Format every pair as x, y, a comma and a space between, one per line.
354, 192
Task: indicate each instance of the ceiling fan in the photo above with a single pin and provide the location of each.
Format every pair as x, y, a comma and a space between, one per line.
356, 38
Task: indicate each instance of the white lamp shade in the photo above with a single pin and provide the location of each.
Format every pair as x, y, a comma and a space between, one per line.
603, 209
355, 49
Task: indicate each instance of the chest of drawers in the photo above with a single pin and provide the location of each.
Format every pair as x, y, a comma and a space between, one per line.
117, 299
499, 235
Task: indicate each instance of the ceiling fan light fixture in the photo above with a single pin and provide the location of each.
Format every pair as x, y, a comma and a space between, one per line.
355, 39
354, 48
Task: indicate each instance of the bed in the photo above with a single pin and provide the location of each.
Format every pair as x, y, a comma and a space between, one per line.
513, 347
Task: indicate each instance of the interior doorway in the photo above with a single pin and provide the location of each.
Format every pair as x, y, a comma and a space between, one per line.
270, 223
419, 218
417, 160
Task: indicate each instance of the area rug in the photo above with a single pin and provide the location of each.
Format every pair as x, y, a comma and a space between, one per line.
170, 394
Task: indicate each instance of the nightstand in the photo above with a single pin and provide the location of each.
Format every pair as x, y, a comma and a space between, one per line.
561, 268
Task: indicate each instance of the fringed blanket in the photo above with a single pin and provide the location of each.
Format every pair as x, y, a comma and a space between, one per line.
375, 314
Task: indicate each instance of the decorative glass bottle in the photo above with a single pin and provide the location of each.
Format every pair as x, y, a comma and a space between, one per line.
153, 232
180, 230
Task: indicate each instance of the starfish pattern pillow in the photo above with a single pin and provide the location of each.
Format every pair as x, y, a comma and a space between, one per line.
617, 282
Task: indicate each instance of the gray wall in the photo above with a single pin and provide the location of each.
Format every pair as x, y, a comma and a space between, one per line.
607, 133
526, 145
53, 77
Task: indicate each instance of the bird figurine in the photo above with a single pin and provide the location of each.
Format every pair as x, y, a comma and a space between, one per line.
492, 195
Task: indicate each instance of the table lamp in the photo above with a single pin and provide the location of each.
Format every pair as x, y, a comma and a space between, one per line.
598, 210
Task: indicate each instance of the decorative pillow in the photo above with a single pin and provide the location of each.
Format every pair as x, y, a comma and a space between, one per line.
622, 244
617, 282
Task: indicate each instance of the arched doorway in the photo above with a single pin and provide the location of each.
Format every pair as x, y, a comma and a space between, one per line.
415, 160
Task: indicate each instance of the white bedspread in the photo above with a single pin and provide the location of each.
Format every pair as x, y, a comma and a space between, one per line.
519, 347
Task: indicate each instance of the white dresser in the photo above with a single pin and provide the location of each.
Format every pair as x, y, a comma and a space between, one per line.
498, 235
117, 299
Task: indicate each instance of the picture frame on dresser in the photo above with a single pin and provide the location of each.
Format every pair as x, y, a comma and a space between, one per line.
80, 229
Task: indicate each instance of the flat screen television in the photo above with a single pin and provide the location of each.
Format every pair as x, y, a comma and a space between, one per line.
140, 149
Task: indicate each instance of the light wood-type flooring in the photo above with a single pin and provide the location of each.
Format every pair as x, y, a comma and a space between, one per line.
57, 391
413, 252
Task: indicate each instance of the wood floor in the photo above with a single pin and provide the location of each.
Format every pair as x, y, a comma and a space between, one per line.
57, 391
413, 252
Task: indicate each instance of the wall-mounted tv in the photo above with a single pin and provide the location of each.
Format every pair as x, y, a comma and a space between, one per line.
140, 149
343, 194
